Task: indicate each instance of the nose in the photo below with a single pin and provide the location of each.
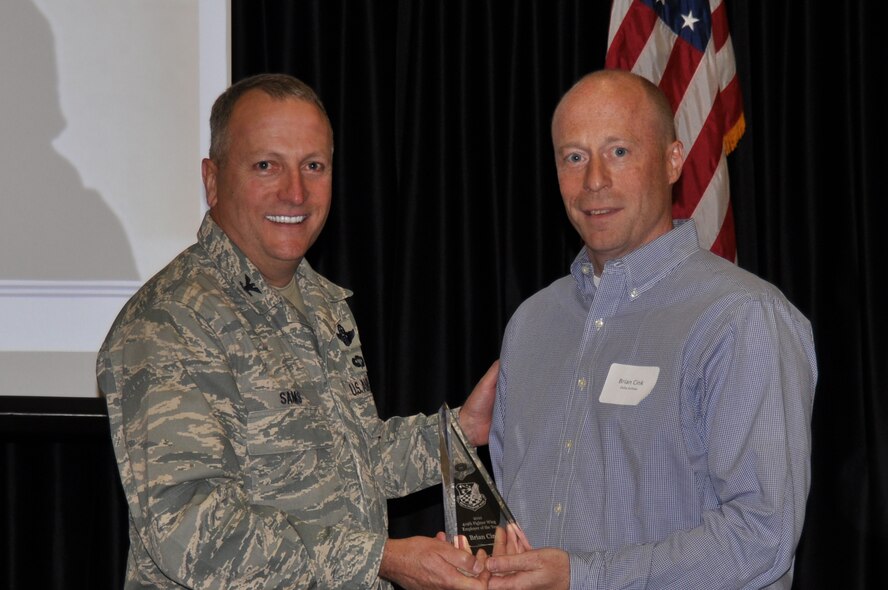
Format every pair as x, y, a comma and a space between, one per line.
293, 188
596, 176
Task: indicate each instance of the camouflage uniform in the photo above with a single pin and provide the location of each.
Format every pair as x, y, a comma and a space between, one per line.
246, 435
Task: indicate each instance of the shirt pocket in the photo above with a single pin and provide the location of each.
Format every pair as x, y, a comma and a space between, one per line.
290, 461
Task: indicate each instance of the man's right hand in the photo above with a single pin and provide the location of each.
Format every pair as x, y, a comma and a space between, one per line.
424, 562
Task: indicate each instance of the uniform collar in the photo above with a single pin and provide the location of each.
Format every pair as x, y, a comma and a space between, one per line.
243, 276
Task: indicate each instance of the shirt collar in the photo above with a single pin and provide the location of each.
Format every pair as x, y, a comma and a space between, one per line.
643, 267
243, 276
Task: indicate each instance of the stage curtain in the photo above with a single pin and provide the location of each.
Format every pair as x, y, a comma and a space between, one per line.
447, 215
64, 515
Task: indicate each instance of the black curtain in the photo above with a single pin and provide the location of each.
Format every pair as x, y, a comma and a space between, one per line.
63, 515
446, 210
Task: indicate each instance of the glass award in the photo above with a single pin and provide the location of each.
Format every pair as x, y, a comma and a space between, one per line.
473, 507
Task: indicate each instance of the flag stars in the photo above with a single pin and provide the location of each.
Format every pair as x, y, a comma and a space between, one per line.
689, 20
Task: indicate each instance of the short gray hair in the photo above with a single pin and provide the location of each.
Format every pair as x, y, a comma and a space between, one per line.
277, 86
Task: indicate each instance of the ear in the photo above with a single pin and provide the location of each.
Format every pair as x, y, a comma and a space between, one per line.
208, 170
674, 161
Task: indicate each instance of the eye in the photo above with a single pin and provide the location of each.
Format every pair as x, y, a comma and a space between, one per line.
573, 158
263, 165
315, 166
620, 152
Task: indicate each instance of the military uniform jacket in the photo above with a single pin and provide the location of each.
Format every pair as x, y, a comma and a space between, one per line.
246, 435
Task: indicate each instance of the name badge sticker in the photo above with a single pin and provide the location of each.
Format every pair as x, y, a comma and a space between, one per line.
627, 385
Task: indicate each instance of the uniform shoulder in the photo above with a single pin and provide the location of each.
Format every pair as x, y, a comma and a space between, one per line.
188, 280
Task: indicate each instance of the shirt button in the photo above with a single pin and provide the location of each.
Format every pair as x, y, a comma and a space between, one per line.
568, 445
581, 382
634, 293
586, 270
599, 323
558, 508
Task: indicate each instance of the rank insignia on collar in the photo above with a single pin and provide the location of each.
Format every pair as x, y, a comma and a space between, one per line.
346, 337
249, 286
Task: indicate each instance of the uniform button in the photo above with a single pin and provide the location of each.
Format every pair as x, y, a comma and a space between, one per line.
599, 323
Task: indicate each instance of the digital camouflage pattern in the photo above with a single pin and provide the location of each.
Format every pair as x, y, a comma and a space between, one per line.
246, 434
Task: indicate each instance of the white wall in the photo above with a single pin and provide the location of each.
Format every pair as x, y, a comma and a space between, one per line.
103, 123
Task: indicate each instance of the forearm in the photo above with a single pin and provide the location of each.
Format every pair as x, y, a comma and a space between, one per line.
408, 448
722, 553
406, 455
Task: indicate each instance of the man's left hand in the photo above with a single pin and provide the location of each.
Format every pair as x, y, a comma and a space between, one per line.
543, 569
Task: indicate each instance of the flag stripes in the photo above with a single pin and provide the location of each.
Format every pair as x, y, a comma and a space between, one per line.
685, 47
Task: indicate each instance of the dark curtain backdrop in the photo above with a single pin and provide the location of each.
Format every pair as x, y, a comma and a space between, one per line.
447, 214
63, 516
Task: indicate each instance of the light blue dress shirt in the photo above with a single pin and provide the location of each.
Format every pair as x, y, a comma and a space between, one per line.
658, 426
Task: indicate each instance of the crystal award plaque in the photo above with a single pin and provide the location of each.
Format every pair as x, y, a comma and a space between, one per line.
472, 505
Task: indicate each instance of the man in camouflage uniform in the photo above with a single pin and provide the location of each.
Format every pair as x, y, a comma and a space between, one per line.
245, 431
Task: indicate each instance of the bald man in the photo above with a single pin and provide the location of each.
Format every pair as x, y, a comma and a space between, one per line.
652, 421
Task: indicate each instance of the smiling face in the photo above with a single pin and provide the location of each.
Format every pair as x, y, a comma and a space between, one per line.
270, 191
617, 161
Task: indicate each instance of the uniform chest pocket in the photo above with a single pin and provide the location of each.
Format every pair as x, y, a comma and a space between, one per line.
289, 456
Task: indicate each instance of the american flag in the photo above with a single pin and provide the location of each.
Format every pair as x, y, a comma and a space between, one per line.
684, 46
